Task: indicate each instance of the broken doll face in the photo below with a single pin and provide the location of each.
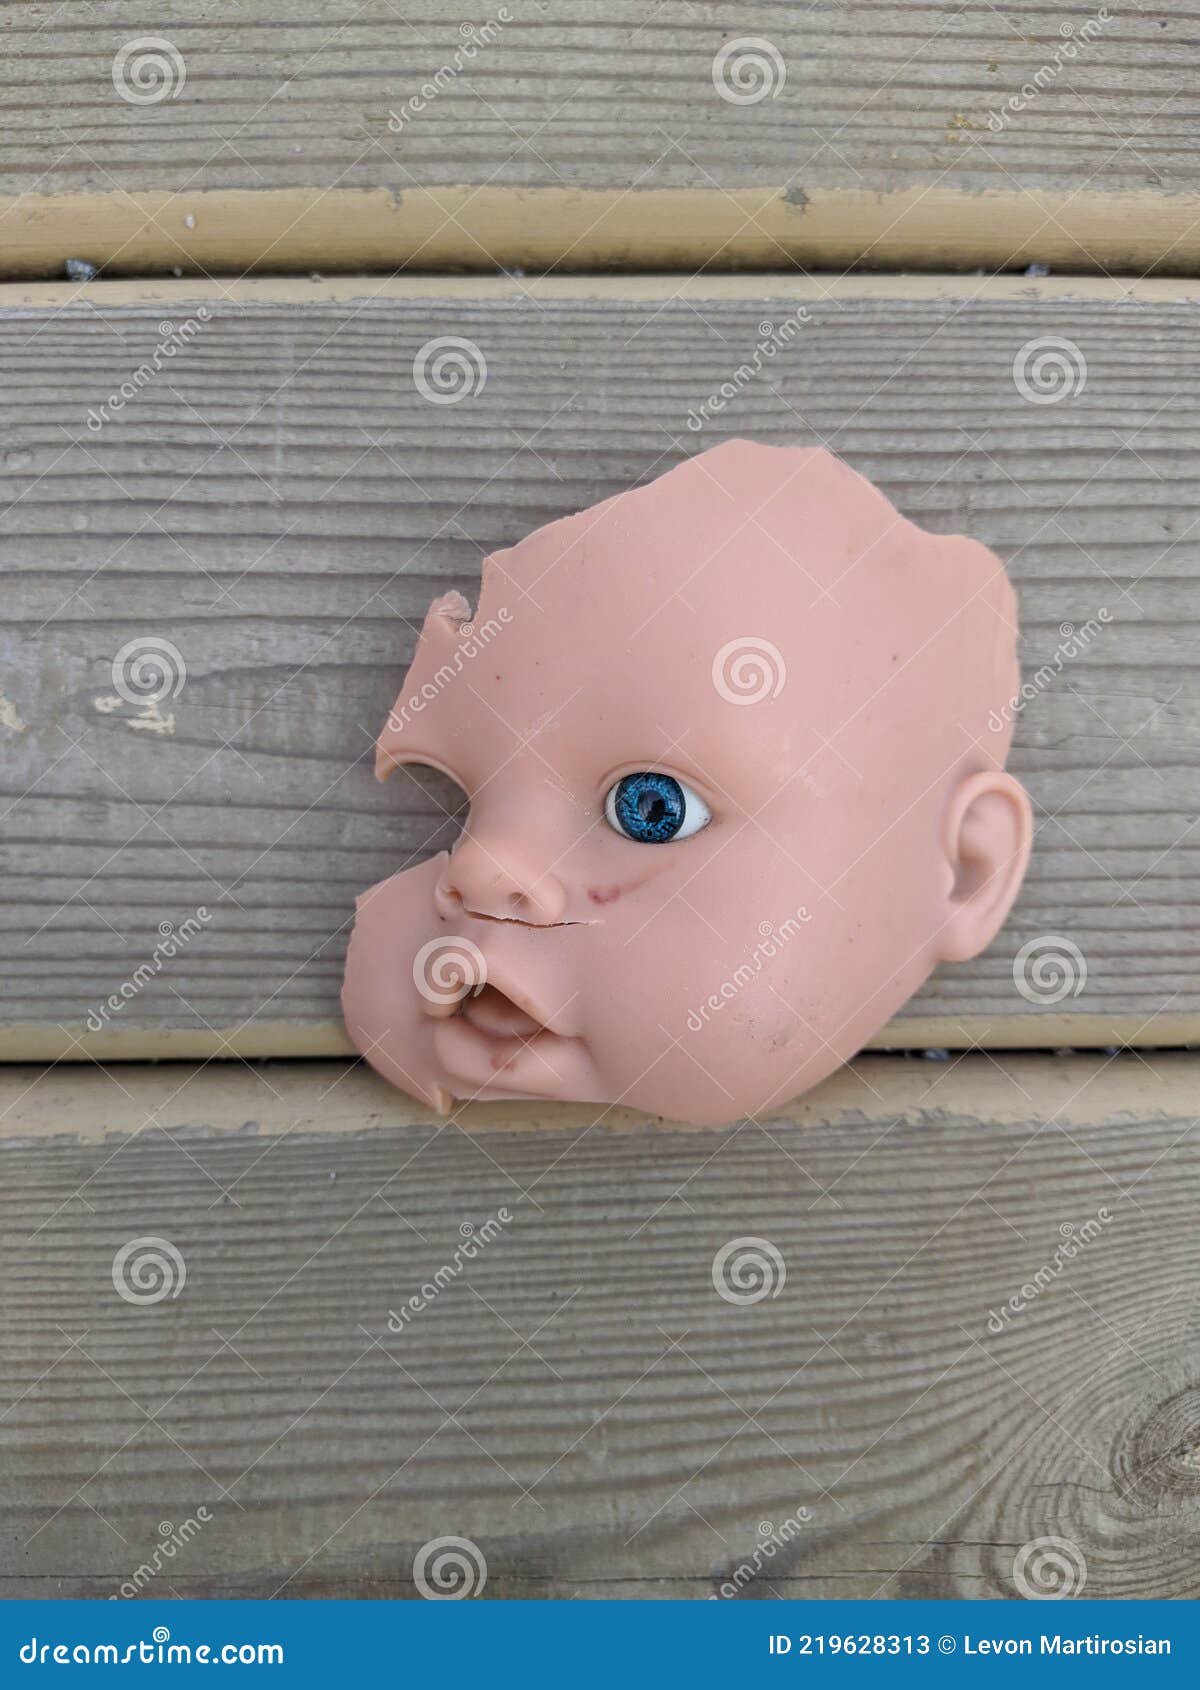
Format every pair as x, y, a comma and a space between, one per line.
707, 772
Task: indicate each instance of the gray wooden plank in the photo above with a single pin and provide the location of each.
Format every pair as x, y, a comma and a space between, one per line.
580, 1401
280, 503
861, 108
299, 94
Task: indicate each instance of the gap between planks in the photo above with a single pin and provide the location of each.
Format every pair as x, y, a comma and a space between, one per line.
19, 296
92, 1105
578, 229
260, 1040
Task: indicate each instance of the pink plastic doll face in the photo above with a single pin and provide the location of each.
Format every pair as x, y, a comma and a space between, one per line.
734, 792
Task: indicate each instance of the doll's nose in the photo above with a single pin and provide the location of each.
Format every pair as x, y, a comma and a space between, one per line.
479, 880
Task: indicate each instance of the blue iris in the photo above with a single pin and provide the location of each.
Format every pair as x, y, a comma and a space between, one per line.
649, 807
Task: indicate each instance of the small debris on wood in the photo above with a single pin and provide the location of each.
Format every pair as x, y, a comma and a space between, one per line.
80, 270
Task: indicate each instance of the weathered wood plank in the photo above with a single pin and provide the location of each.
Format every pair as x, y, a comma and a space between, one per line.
896, 137
580, 1400
280, 503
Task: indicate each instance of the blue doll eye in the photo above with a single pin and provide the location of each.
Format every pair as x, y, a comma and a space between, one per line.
652, 808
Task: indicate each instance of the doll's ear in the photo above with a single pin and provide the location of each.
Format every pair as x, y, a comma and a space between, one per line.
988, 831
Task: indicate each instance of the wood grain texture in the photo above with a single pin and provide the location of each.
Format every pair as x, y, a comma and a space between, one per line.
304, 99
280, 503
580, 1400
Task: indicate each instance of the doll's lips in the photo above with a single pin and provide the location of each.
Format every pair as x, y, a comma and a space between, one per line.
502, 1007
490, 1011
541, 1064
504, 1039
500, 1041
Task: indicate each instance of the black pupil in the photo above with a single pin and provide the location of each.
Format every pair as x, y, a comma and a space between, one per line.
651, 807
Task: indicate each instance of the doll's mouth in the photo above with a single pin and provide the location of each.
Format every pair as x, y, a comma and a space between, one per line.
493, 1012
502, 1006
495, 1045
